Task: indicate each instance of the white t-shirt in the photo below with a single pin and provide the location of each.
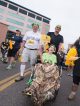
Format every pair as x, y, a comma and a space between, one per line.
32, 40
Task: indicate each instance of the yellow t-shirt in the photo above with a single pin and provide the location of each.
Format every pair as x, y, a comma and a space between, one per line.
71, 53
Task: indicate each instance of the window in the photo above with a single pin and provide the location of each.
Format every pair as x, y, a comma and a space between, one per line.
46, 21
13, 7
31, 15
23, 11
15, 22
1, 10
39, 18
30, 20
16, 15
13, 28
3, 3
1, 17
29, 26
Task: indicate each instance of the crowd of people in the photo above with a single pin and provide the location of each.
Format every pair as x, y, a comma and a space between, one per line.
32, 48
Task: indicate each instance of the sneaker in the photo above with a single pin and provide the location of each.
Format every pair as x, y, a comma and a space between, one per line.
9, 67
19, 79
71, 96
29, 82
28, 93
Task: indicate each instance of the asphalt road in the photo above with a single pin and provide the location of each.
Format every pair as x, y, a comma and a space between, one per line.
12, 96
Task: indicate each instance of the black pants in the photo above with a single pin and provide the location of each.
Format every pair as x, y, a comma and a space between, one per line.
12, 52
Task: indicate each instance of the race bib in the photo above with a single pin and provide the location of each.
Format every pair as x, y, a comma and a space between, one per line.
30, 41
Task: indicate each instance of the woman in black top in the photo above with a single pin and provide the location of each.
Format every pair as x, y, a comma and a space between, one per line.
76, 71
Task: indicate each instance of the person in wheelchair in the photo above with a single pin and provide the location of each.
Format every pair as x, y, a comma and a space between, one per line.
45, 77
49, 57
44, 58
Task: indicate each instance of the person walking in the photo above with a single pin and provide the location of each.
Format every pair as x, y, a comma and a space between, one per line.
57, 40
14, 46
76, 70
30, 47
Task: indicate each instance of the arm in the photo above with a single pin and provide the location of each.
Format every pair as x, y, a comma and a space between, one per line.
24, 41
73, 58
23, 44
61, 44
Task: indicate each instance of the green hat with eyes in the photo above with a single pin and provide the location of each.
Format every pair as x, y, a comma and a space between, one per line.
35, 24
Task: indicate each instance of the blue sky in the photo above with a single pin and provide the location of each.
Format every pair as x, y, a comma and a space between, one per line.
63, 12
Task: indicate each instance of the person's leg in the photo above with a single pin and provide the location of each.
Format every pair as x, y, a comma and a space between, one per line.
74, 89
9, 55
33, 56
9, 66
23, 65
73, 92
22, 68
2, 51
12, 54
11, 60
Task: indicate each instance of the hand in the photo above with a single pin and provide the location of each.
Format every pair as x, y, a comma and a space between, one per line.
74, 58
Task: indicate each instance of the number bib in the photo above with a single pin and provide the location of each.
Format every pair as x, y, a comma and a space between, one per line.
30, 41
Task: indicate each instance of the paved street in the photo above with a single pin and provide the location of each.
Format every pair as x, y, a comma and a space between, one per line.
10, 92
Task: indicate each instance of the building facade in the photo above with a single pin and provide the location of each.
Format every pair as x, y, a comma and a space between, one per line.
14, 16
